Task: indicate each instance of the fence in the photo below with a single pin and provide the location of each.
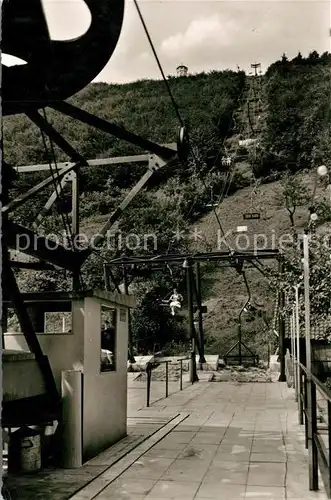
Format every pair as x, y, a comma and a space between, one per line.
314, 411
153, 366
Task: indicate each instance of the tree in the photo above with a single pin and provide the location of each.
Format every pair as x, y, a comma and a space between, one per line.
298, 60
292, 194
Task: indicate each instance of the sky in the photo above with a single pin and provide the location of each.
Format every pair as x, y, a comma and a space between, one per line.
204, 35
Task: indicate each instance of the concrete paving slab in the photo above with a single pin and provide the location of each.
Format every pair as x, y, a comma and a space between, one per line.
126, 489
213, 489
268, 457
265, 492
172, 489
155, 452
206, 438
229, 456
255, 428
198, 452
148, 468
180, 437
266, 474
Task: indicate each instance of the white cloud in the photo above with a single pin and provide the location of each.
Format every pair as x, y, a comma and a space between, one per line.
66, 20
206, 32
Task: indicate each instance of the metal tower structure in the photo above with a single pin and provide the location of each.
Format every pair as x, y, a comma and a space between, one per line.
54, 71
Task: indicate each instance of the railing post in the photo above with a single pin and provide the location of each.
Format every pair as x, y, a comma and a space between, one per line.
294, 358
167, 387
300, 408
297, 329
329, 439
312, 430
181, 375
149, 377
305, 406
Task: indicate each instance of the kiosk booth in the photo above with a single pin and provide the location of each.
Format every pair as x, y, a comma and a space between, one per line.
85, 337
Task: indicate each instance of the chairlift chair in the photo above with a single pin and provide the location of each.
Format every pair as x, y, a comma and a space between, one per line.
212, 203
252, 214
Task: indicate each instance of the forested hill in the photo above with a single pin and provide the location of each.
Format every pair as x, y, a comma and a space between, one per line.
296, 98
293, 116
205, 101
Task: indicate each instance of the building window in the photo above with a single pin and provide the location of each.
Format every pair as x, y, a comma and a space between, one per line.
51, 322
108, 339
58, 322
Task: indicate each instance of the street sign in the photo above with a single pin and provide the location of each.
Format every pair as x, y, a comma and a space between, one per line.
251, 215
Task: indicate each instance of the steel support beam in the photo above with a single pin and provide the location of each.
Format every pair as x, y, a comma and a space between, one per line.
49, 203
75, 223
41, 247
21, 199
127, 200
98, 162
35, 266
198, 257
113, 129
28, 331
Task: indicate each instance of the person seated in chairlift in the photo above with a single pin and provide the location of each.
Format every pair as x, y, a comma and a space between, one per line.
175, 302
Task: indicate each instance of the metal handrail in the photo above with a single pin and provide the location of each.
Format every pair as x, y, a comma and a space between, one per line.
151, 366
319, 453
322, 388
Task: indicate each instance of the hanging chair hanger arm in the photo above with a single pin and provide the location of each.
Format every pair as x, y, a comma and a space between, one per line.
248, 292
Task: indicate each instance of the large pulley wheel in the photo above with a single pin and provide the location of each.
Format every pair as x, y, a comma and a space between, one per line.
183, 145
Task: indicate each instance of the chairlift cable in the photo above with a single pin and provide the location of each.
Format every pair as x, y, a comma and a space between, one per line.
67, 226
228, 180
181, 121
56, 185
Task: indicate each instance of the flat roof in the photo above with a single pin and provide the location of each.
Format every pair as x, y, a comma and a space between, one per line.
120, 299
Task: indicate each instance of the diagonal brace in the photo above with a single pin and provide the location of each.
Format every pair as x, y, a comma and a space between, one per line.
127, 200
21, 199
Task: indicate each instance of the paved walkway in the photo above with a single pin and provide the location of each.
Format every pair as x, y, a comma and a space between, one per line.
227, 442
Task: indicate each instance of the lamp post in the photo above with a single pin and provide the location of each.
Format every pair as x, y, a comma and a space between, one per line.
297, 330
311, 394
